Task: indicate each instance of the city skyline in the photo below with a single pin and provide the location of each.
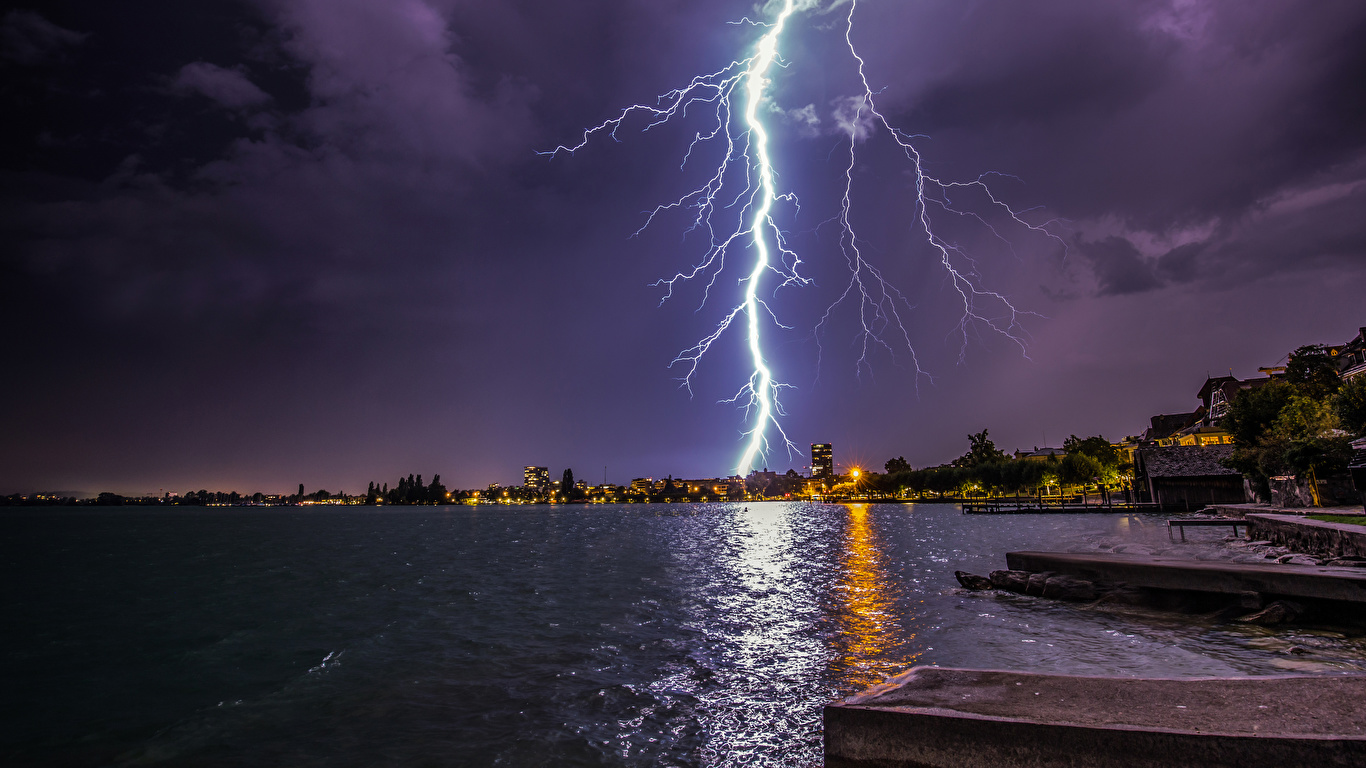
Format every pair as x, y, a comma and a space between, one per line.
252, 252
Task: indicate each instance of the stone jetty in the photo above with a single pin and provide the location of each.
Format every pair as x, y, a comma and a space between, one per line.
1260, 593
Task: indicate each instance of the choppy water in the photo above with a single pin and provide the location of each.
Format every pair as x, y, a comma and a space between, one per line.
630, 635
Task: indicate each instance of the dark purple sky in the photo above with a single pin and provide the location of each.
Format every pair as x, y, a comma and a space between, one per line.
252, 244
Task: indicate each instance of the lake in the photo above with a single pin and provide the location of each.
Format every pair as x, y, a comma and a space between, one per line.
538, 636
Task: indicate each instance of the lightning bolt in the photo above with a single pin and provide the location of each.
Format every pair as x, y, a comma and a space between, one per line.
763, 391
743, 187
877, 300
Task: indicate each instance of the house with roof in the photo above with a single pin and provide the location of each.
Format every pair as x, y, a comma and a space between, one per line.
1201, 427
1352, 357
1164, 425
1187, 476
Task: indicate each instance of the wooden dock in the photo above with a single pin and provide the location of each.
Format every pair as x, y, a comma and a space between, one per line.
1205, 522
1035, 506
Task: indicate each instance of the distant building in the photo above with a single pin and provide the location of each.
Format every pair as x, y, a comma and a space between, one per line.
708, 486
536, 477
1352, 357
1201, 427
1165, 425
1041, 454
1218, 392
822, 462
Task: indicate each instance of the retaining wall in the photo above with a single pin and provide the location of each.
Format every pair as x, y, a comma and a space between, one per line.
1314, 537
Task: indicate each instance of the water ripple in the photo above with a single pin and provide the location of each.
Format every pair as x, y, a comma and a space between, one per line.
706, 635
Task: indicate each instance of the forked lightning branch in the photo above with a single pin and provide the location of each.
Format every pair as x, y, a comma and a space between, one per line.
733, 99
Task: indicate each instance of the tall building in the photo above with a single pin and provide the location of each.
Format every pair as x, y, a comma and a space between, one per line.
536, 477
822, 462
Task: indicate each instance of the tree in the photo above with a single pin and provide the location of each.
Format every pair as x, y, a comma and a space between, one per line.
943, 479
1282, 429
436, 492
980, 451
898, 464
567, 483
1079, 469
1252, 411
1350, 405
301, 490
1114, 466
1313, 371
1096, 447
1304, 418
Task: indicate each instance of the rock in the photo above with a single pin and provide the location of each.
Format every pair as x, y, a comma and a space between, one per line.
1036, 582
1283, 558
1296, 650
1279, 612
1123, 595
1011, 581
1064, 587
1300, 560
1250, 600
1348, 562
972, 581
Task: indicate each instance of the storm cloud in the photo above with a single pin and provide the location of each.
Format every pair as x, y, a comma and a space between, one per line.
251, 244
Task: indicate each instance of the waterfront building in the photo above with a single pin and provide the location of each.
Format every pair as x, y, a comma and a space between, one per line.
536, 477
642, 485
822, 462
709, 486
1187, 477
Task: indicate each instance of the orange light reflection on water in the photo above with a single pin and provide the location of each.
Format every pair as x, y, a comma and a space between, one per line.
871, 644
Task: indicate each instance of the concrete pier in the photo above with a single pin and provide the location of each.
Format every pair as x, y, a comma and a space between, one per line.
968, 718
1298, 581
1313, 536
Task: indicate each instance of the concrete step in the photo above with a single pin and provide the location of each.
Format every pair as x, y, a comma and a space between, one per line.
971, 718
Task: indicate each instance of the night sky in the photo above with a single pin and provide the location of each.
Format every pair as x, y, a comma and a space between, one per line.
252, 244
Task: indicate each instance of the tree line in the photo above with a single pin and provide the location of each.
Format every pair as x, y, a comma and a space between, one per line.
1301, 424
409, 490
986, 469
